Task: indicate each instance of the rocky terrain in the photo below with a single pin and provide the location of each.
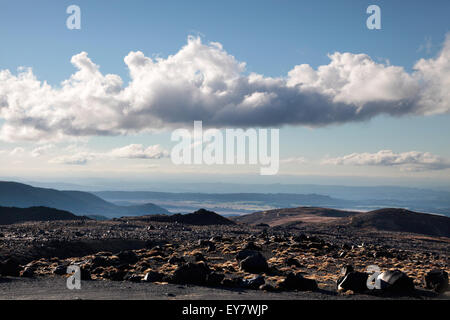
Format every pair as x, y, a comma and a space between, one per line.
314, 258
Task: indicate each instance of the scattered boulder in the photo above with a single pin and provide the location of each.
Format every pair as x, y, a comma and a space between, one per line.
214, 279
132, 277
99, 261
232, 282
60, 270
10, 267
153, 276
211, 247
27, 272
155, 251
396, 281
346, 270
176, 260
204, 243
191, 273
297, 282
253, 283
199, 257
300, 238
241, 255
252, 246
351, 280
128, 257
292, 262
255, 263
437, 280
85, 273
115, 274
267, 287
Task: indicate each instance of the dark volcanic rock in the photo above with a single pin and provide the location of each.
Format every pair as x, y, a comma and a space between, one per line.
60, 270
115, 274
10, 267
153, 276
128, 257
132, 277
214, 279
346, 270
241, 255
191, 273
207, 243
352, 280
437, 280
396, 281
176, 260
267, 287
292, 262
255, 263
27, 272
253, 283
298, 282
232, 282
252, 246
199, 257
99, 261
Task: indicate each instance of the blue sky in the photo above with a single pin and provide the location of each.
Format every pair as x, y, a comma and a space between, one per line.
271, 37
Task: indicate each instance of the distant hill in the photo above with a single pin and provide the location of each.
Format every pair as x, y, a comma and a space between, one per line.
403, 220
278, 217
201, 217
13, 194
9, 215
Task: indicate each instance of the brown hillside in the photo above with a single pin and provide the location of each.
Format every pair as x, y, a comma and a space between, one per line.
278, 217
403, 220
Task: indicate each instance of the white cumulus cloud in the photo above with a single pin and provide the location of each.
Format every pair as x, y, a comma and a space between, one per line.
204, 82
408, 161
41, 150
74, 159
132, 151
138, 151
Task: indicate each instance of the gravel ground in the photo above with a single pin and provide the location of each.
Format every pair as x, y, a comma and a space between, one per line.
55, 289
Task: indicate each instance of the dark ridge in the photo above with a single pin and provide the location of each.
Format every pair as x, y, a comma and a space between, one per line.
200, 217
402, 220
13, 194
10, 215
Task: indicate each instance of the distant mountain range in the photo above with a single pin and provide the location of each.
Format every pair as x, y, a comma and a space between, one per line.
223, 203
356, 198
13, 194
10, 215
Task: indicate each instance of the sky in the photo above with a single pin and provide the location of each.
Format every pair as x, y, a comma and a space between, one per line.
352, 104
